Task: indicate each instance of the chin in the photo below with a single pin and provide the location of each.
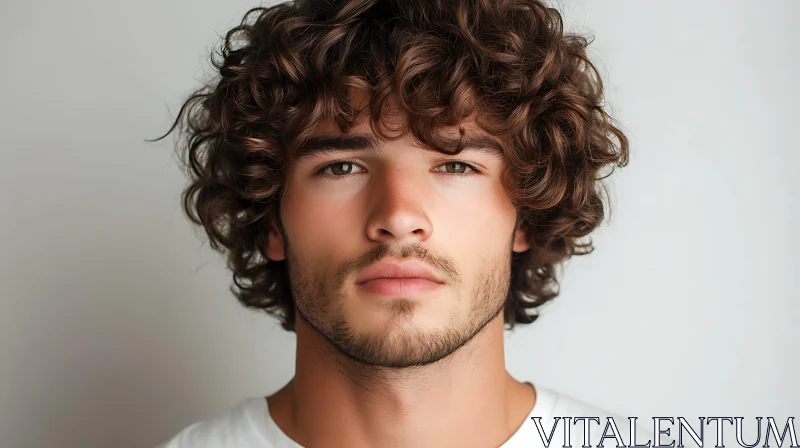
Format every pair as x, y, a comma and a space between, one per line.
398, 339
390, 315
399, 347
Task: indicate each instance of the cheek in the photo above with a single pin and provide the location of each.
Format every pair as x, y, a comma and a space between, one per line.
320, 223
481, 220
475, 233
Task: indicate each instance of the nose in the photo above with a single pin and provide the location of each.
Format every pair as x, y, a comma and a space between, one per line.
398, 213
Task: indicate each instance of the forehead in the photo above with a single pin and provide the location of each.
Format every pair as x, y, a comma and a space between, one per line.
325, 133
328, 139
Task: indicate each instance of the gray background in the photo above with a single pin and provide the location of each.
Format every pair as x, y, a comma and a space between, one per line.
117, 327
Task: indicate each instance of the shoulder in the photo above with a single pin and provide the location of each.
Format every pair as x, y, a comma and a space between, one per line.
599, 420
232, 428
565, 405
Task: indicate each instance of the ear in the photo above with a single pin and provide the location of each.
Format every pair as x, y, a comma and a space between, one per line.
520, 243
275, 244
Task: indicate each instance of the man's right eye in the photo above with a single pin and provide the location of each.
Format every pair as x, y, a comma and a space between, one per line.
338, 169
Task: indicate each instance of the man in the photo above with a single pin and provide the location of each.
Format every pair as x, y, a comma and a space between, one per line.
398, 258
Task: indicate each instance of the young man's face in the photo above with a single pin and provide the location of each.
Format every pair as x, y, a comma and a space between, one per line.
396, 204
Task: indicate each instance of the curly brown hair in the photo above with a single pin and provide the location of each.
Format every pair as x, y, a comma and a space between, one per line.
286, 67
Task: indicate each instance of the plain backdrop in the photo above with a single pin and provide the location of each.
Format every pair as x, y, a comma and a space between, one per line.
118, 328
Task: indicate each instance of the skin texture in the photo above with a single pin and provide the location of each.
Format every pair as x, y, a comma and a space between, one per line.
423, 370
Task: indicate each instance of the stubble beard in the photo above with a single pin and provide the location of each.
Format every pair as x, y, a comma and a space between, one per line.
408, 345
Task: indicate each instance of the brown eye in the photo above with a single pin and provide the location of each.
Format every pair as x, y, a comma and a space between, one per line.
339, 169
348, 165
459, 168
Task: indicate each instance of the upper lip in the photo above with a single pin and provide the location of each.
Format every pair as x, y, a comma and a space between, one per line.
408, 269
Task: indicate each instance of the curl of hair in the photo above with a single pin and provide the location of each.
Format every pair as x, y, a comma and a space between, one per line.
286, 67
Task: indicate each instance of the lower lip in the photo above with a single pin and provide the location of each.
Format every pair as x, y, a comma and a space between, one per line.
398, 286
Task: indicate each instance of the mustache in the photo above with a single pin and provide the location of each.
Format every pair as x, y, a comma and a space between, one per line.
407, 252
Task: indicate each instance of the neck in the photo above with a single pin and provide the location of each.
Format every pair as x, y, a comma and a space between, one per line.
467, 399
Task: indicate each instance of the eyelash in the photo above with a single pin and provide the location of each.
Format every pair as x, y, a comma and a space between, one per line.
322, 169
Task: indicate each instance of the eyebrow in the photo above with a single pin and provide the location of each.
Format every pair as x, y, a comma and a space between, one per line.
319, 145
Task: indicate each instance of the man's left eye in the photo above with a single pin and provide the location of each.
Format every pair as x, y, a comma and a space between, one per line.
459, 167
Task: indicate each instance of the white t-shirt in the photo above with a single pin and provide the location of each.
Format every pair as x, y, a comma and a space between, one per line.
249, 425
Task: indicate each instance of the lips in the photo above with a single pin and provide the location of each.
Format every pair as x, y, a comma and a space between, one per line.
399, 271
396, 279
399, 286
